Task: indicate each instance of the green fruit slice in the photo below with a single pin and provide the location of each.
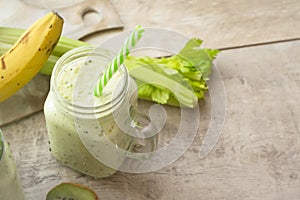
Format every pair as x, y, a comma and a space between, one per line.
71, 191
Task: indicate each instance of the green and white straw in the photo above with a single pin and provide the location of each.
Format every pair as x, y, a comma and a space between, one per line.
129, 43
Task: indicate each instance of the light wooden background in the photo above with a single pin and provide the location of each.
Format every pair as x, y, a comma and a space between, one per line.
258, 154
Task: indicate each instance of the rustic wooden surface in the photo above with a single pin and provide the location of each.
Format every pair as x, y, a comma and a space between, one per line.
30, 99
81, 17
258, 154
221, 23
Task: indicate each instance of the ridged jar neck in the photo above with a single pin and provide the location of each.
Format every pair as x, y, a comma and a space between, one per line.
88, 53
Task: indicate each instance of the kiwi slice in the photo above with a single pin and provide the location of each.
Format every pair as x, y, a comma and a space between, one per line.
71, 191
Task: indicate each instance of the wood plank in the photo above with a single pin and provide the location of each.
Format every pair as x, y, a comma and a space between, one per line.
77, 15
257, 156
220, 23
30, 99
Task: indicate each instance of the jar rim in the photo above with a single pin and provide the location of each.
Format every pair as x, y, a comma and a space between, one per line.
81, 52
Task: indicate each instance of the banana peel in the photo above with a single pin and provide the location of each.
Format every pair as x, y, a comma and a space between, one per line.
28, 55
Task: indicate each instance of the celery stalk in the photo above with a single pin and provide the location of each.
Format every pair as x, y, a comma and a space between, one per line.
8, 36
176, 80
182, 94
11, 35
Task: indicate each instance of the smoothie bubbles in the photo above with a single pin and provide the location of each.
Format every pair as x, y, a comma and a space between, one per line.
10, 186
91, 113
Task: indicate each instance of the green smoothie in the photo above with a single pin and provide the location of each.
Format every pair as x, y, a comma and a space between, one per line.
10, 186
81, 127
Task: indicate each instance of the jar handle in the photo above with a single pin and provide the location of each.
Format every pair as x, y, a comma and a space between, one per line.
141, 128
147, 128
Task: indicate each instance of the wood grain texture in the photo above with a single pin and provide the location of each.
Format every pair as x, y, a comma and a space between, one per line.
30, 99
220, 23
76, 15
257, 156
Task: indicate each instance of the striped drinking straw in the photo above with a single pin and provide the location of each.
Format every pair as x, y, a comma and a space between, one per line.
129, 43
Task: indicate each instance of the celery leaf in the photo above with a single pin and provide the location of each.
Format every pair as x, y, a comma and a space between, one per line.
180, 78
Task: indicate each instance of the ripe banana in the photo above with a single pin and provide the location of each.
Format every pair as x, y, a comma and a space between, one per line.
27, 56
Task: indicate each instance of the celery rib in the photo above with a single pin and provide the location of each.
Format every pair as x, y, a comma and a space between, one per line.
182, 94
9, 35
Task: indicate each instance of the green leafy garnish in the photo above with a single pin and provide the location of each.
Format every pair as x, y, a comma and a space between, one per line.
179, 79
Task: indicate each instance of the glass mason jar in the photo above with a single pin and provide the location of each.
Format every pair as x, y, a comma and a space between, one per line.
93, 135
10, 185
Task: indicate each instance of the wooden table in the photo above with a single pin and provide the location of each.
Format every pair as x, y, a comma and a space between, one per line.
258, 154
